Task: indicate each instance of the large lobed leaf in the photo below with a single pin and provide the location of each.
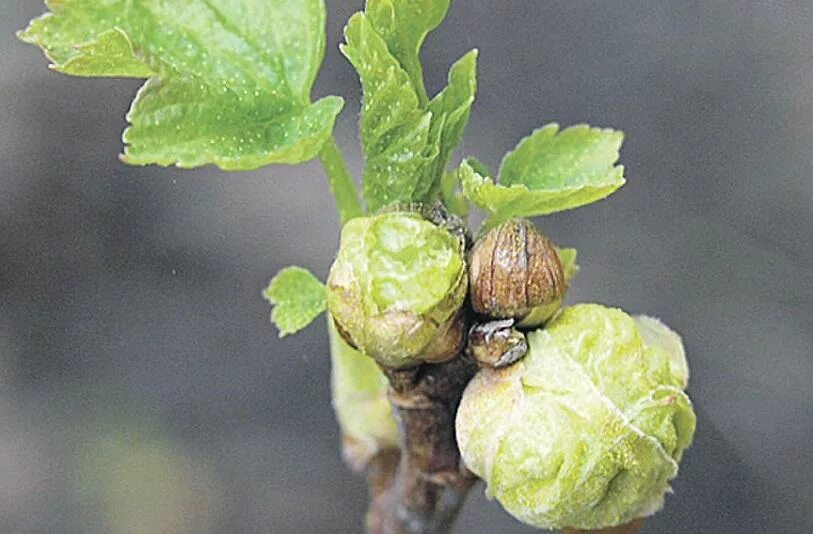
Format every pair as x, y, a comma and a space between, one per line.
229, 81
407, 139
549, 171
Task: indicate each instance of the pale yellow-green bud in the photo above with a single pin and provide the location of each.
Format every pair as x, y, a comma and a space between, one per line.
588, 428
397, 287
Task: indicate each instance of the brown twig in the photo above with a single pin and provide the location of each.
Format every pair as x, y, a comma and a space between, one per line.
430, 483
381, 472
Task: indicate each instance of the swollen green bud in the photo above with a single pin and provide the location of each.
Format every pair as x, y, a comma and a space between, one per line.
360, 400
587, 429
397, 287
515, 272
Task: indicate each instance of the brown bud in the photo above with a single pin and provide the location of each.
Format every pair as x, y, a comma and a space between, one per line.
515, 272
496, 344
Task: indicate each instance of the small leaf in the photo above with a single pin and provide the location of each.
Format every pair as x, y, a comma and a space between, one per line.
479, 167
404, 24
453, 107
407, 140
549, 171
453, 200
395, 130
550, 159
298, 298
229, 81
568, 258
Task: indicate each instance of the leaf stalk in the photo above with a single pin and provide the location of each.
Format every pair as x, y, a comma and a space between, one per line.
340, 181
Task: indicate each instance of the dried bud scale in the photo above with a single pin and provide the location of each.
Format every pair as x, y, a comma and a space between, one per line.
496, 344
515, 272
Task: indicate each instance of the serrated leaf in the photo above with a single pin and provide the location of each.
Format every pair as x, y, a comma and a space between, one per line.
553, 159
395, 130
111, 54
158, 128
550, 171
298, 298
453, 107
229, 82
407, 140
403, 25
456, 99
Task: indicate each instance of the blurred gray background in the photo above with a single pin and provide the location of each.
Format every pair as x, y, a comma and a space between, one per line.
143, 390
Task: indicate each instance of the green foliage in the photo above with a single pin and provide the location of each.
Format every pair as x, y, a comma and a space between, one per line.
229, 81
588, 428
451, 108
549, 171
568, 257
407, 140
394, 128
298, 298
404, 24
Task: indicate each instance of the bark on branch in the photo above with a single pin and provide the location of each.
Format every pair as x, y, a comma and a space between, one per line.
430, 483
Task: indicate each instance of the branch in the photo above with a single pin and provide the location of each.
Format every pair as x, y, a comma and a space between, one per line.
430, 483
381, 472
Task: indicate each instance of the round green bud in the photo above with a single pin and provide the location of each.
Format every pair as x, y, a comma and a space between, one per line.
588, 428
397, 287
360, 401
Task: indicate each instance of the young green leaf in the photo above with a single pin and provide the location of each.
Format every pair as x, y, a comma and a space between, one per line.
577, 156
404, 24
549, 171
394, 127
478, 166
568, 258
229, 82
407, 140
452, 106
452, 198
298, 298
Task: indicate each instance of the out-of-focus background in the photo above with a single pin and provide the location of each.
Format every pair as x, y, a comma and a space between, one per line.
143, 390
